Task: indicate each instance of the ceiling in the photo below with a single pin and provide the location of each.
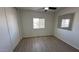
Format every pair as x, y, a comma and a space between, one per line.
40, 9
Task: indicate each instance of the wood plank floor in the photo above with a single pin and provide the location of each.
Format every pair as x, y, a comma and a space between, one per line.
43, 44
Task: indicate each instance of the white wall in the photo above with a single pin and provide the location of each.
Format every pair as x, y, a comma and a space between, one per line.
27, 22
19, 22
70, 37
9, 31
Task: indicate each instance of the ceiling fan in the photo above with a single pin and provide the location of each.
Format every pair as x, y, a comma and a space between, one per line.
49, 8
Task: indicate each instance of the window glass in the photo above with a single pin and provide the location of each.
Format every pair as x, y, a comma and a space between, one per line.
38, 23
65, 22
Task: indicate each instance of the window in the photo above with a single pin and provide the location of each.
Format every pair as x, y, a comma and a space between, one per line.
38, 23
65, 21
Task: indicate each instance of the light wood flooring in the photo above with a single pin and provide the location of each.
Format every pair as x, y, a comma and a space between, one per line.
43, 44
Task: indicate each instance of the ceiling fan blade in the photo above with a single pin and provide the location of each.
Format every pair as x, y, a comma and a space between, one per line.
53, 8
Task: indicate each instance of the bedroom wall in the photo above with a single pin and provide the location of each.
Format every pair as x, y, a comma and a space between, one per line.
27, 22
70, 37
19, 22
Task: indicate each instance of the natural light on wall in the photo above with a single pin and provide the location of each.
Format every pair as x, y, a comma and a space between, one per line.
65, 22
38, 23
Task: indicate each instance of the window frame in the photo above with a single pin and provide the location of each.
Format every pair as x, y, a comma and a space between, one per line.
66, 16
63, 24
39, 26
